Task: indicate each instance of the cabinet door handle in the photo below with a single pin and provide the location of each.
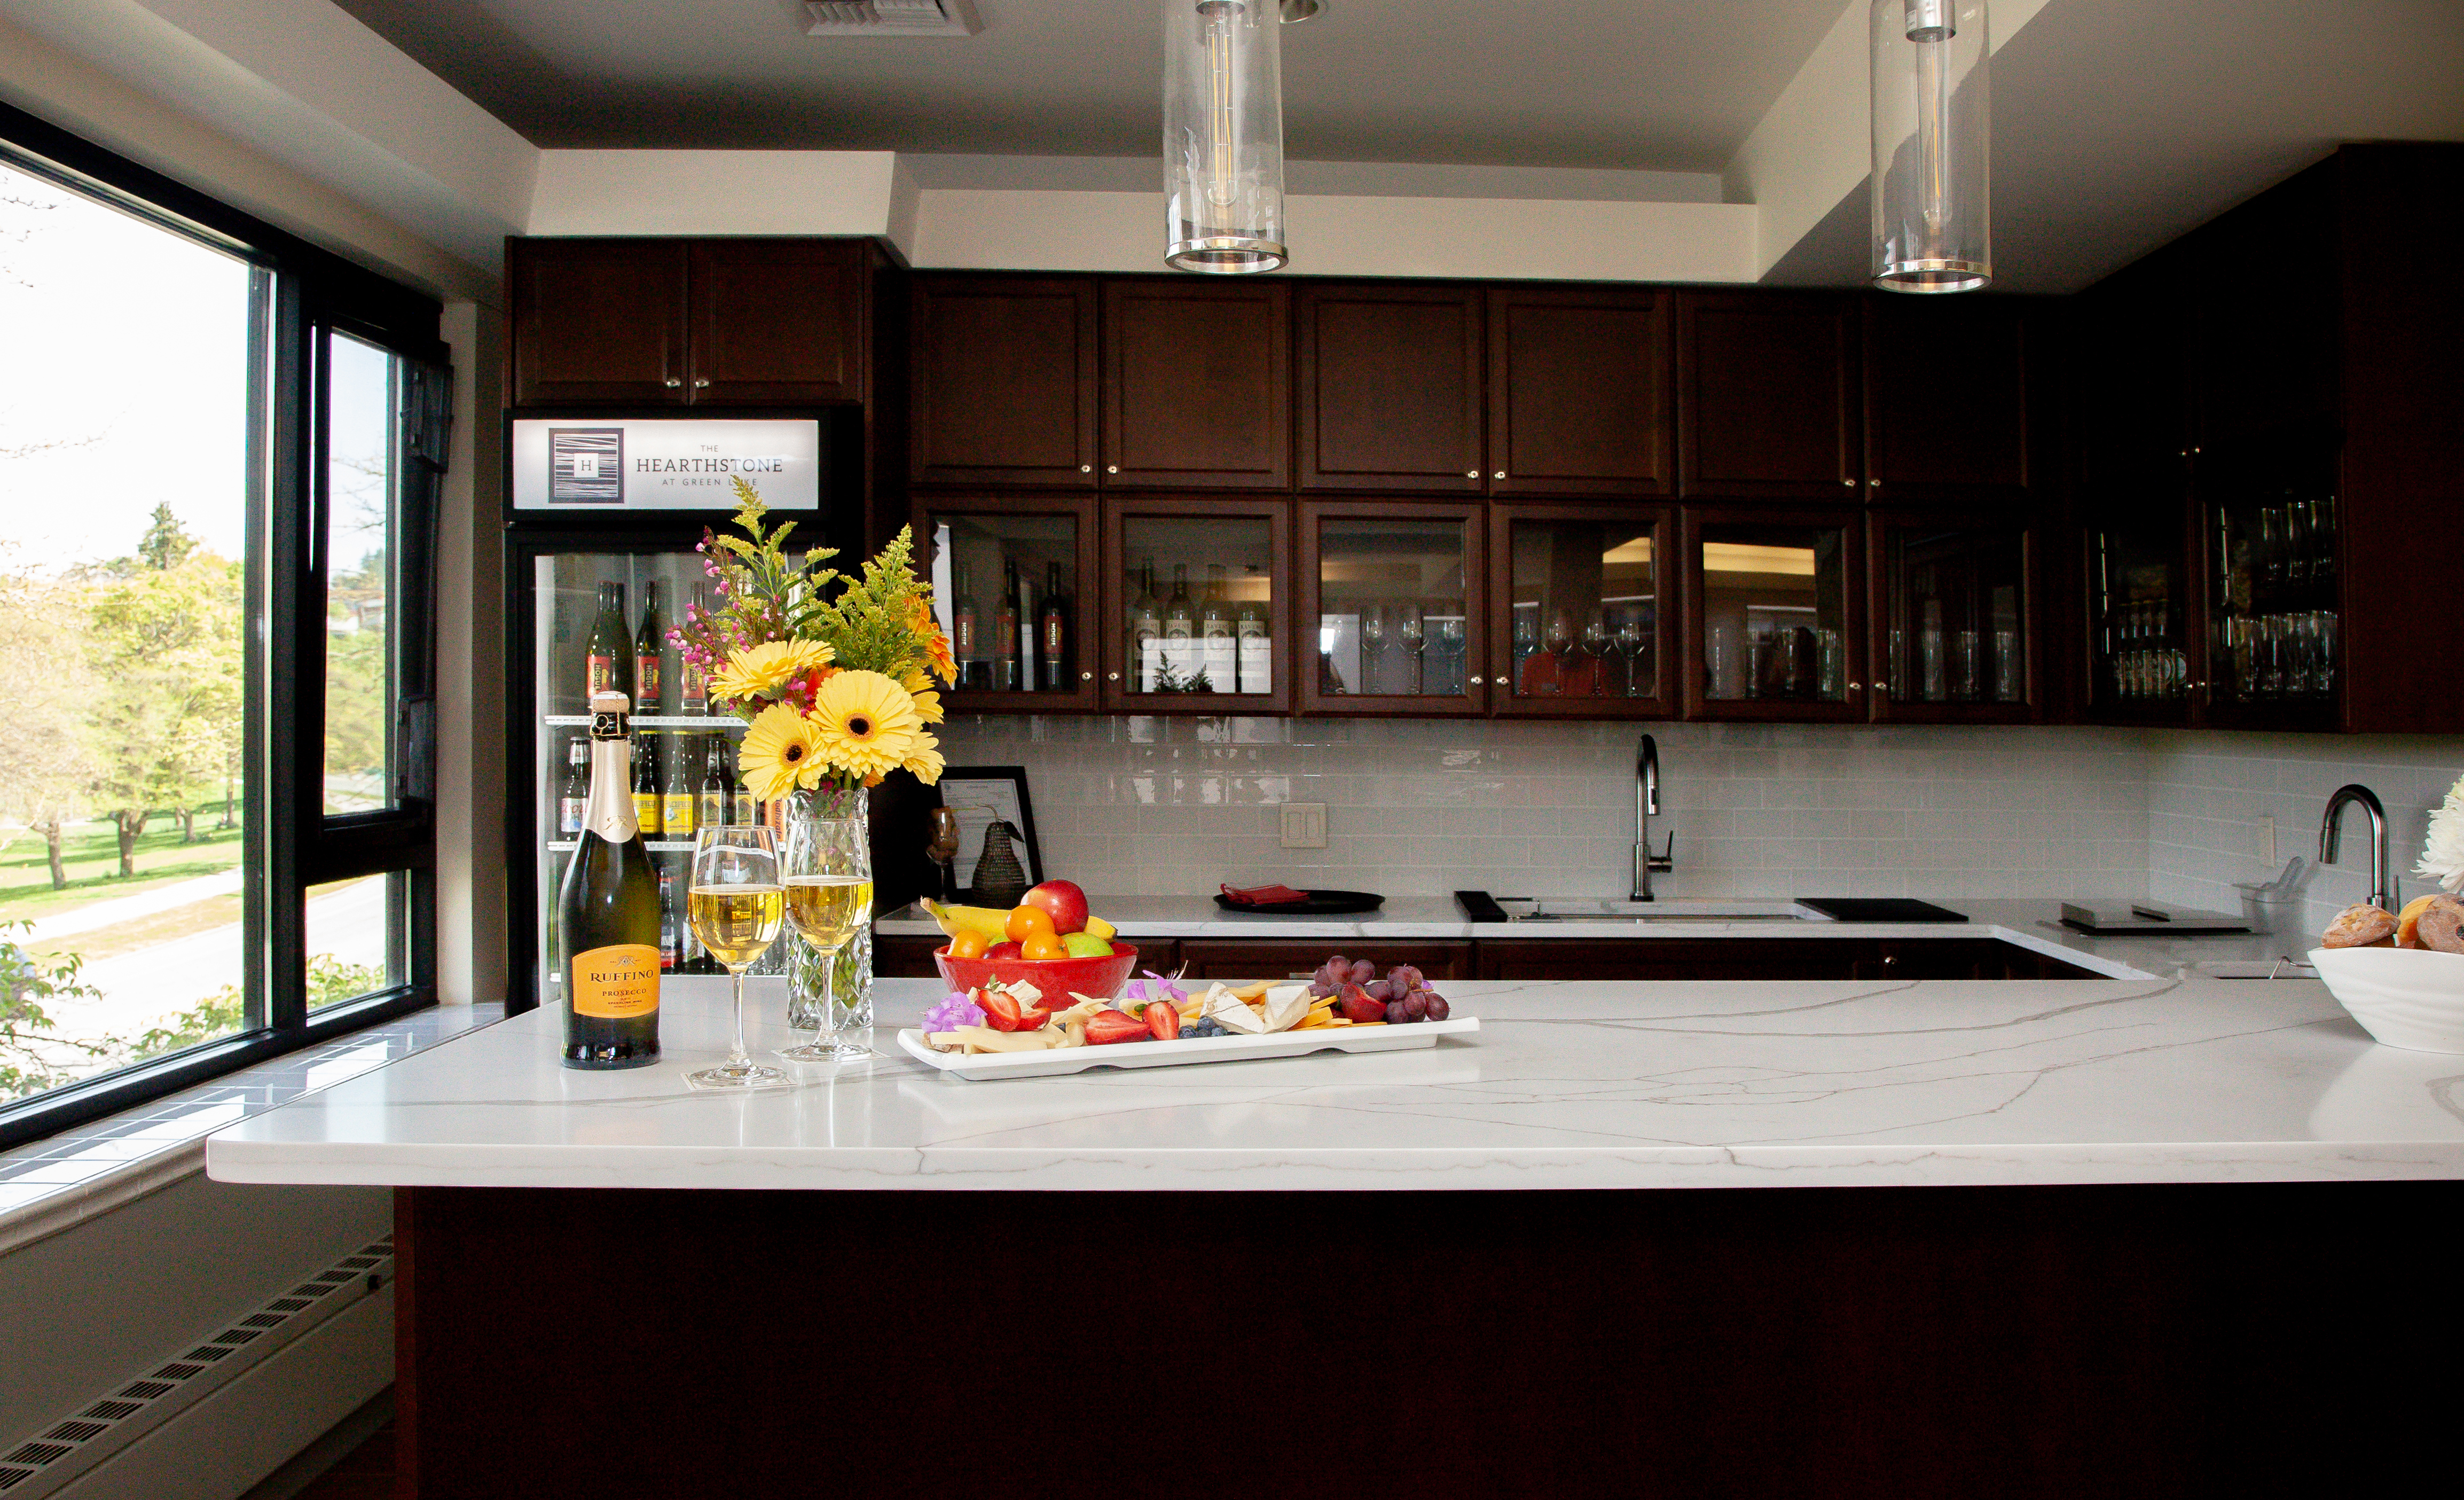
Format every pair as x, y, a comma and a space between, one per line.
701, 384
673, 382
1086, 676
1471, 474
1475, 681
1086, 468
1500, 475
1858, 687
1112, 676
1873, 484
1111, 468
1849, 483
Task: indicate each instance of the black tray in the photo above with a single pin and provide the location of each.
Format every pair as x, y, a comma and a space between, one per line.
1320, 903
1879, 909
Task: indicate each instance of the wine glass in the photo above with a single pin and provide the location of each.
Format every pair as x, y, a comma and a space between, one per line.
829, 898
736, 905
1596, 642
1413, 636
1451, 644
1374, 641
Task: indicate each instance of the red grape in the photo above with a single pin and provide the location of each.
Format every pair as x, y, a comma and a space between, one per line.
1394, 1015
1416, 1005
1363, 971
1439, 1009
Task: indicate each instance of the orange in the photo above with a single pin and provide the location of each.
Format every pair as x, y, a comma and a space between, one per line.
1043, 945
1026, 922
968, 943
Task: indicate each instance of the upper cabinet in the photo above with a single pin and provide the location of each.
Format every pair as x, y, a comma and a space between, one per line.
1946, 397
1390, 386
1580, 398
777, 321
1002, 379
598, 321
1196, 384
688, 322
1767, 395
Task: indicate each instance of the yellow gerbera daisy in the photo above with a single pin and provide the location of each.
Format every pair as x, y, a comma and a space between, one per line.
867, 723
928, 702
760, 672
924, 761
781, 747
936, 645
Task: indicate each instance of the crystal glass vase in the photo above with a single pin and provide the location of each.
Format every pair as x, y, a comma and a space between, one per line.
843, 981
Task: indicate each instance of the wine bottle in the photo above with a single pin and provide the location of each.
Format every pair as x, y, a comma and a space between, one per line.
1180, 630
1005, 672
677, 799
648, 815
715, 800
1052, 633
745, 814
1145, 632
1256, 648
610, 651
671, 925
650, 652
608, 913
693, 679
964, 645
575, 796
1215, 653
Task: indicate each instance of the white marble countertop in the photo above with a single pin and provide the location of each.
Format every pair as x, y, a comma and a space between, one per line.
1627, 1085
2032, 924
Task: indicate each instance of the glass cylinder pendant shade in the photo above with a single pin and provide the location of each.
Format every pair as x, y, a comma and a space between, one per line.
1932, 135
1223, 136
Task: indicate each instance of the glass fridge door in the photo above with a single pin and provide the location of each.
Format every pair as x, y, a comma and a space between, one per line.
602, 618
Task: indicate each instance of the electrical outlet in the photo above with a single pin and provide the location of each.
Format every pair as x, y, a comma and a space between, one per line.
1304, 825
2267, 840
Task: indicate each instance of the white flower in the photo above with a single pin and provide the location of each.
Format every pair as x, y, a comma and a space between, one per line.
2442, 855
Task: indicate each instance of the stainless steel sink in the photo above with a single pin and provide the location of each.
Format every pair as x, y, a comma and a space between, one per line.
1576, 908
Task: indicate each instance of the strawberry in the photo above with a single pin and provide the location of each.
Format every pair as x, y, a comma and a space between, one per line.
1003, 1013
1163, 1021
1106, 1026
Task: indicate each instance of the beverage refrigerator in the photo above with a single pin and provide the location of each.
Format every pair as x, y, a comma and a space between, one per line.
603, 515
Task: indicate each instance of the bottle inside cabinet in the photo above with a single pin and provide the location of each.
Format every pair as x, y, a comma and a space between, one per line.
2272, 615
1585, 603
2138, 624
1185, 637
1003, 595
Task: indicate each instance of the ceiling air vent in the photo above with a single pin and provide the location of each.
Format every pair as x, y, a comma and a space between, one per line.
891, 18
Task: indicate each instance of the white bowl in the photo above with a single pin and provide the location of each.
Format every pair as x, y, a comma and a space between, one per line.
2404, 996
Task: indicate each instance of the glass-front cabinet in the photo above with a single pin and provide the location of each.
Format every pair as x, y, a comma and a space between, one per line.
1774, 624
1011, 575
1197, 613
2140, 617
1393, 593
1951, 631
1583, 617
2270, 539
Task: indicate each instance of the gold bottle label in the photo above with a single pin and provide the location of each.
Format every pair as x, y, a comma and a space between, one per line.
617, 983
645, 814
679, 815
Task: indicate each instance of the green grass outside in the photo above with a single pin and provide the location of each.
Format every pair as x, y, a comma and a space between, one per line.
92, 858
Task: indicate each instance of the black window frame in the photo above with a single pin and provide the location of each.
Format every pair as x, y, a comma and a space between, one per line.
303, 293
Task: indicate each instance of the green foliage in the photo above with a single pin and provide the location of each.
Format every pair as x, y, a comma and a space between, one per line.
874, 623
219, 1014
166, 653
331, 981
29, 1060
165, 545
765, 590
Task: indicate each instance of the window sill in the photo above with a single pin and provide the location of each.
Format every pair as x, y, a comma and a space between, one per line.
62, 1180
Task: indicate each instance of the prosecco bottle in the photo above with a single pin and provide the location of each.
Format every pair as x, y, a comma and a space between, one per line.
608, 913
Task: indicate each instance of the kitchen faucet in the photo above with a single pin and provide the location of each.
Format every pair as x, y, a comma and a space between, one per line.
1647, 802
2331, 827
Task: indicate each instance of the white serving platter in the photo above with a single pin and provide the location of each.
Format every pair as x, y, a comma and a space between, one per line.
1181, 1052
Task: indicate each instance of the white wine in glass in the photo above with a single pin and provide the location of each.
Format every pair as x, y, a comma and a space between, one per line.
829, 898
736, 905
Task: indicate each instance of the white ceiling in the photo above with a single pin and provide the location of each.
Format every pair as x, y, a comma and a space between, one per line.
1665, 86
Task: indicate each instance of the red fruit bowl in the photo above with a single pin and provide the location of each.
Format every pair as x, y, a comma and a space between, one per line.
1056, 978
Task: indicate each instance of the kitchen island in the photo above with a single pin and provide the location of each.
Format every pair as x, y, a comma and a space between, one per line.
2096, 1245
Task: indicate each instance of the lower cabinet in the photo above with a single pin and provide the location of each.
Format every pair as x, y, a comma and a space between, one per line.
1571, 959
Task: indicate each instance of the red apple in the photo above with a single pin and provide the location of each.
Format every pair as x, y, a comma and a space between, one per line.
1002, 950
1064, 902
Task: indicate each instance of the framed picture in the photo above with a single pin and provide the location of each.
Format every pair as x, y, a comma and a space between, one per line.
979, 794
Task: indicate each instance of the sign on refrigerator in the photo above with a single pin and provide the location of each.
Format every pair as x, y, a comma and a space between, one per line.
664, 463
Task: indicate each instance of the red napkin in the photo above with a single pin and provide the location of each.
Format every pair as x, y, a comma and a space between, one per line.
1264, 896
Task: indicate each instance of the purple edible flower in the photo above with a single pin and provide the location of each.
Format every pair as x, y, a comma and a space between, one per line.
1134, 990
1170, 990
952, 1012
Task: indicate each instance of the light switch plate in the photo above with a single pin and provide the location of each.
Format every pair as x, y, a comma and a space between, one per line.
2267, 840
1304, 825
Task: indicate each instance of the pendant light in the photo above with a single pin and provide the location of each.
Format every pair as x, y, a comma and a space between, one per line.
1932, 134
1223, 136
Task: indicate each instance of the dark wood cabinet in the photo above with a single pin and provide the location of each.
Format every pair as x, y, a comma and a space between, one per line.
1581, 393
1233, 553
1767, 396
1390, 609
1954, 605
1946, 397
1003, 381
777, 322
1390, 386
1774, 611
1583, 609
1196, 384
1297, 959
598, 321
1013, 549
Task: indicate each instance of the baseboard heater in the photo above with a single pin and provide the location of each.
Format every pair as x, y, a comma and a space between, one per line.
75, 1444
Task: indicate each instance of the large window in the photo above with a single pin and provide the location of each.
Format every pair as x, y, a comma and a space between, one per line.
219, 453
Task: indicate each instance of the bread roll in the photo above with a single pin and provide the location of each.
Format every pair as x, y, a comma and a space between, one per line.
2360, 927
2408, 919
2441, 924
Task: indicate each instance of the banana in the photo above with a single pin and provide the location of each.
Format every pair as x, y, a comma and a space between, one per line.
1097, 927
955, 919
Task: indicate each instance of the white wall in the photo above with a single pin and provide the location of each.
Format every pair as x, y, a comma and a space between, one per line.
469, 685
